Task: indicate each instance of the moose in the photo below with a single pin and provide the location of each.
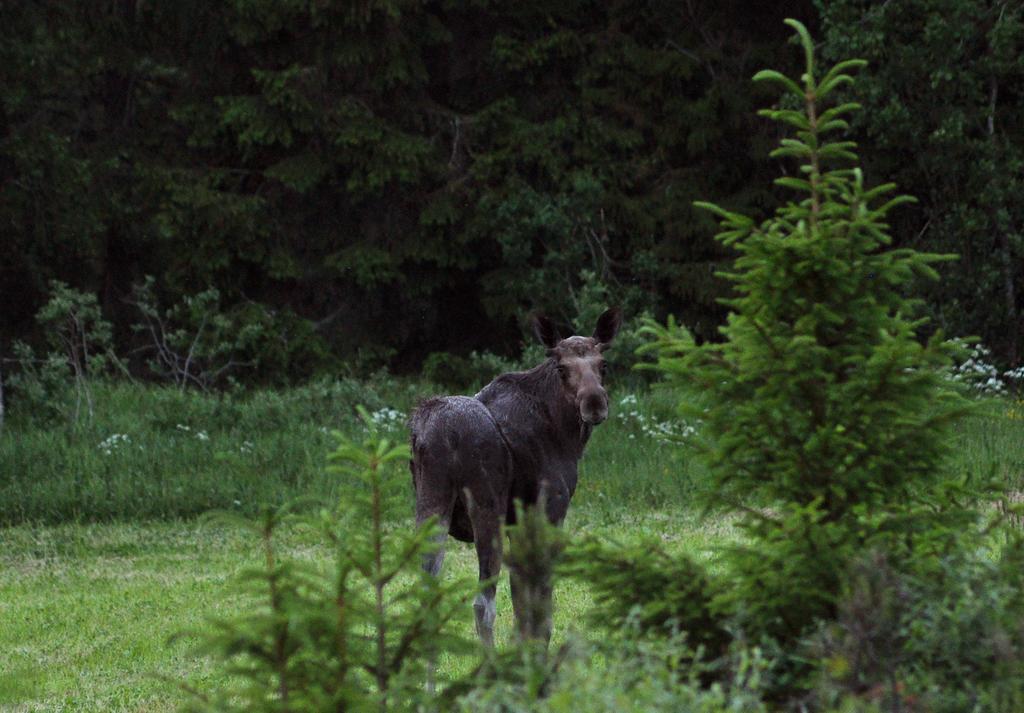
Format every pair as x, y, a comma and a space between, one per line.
520, 438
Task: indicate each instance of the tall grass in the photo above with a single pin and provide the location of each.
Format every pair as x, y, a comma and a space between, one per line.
990, 444
156, 453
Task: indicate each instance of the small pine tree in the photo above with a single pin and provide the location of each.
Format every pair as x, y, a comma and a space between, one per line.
522, 676
358, 636
535, 548
828, 417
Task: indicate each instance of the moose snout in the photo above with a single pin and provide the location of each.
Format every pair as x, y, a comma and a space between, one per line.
594, 407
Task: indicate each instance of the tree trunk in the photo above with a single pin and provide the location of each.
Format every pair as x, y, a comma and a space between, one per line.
1003, 246
1010, 296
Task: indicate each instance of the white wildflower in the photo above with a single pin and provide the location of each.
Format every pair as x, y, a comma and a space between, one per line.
978, 373
113, 442
387, 418
633, 414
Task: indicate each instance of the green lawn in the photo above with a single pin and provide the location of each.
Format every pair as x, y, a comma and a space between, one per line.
87, 612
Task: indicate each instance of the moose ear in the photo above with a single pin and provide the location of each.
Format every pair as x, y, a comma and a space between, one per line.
608, 325
546, 331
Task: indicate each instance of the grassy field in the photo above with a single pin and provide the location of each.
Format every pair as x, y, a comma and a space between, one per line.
102, 561
88, 611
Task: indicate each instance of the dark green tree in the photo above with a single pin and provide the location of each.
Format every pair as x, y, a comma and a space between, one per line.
944, 112
388, 179
827, 419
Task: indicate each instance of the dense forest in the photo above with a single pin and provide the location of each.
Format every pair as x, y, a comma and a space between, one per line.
367, 182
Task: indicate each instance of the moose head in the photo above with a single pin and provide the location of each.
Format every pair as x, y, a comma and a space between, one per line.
580, 364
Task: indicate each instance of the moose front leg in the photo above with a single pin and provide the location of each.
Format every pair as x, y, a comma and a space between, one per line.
532, 606
556, 493
535, 548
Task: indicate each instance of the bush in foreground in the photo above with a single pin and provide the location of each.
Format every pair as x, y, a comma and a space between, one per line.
826, 428
358, 636
828, 424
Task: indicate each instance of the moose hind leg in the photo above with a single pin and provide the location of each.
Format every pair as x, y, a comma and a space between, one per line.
434, 559
486, 534
439, 503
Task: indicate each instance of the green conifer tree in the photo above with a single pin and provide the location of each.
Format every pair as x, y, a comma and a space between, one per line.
360, 635
827, 424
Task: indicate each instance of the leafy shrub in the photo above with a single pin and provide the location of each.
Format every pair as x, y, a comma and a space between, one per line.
40, 389
535, 548
641, 586
631, 674
78, 340
198, 342
950, 639
523, 673
655, 607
